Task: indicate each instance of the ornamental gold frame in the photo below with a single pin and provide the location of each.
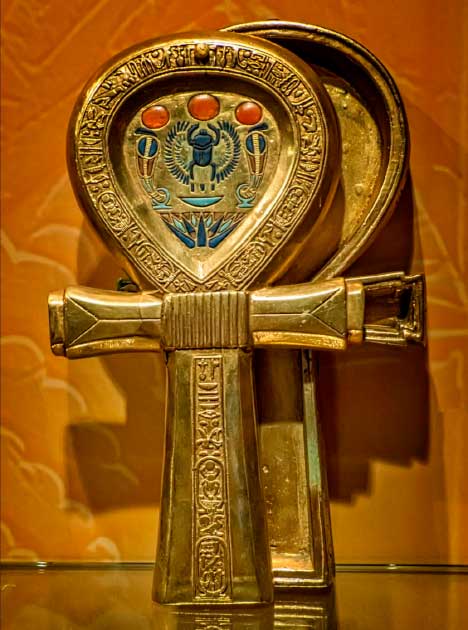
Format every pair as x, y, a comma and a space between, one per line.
295, 218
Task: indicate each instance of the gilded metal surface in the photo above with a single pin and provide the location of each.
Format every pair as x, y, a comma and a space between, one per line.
321, 315
205, 161
373, 170
386, 290
156, 169
373, 128
206, 320
209, 514
213, 546
208, 163
301, 316
86, 322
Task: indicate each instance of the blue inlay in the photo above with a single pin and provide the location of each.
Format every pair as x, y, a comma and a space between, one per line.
190, 229
216, 240
249, 143
201, 235
207, 232
215, 226
260, 127
147, 147
164, 204
180, 225
201, 143
145, 132
200, 202
225, 225
183, 237
190, 155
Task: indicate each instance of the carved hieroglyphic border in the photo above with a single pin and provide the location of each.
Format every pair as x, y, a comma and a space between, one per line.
211, 571
92, 171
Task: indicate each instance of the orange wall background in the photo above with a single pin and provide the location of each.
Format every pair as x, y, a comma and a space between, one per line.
81, 441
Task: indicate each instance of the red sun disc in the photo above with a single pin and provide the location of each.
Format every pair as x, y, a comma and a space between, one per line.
155, 117
203, 106
249, 113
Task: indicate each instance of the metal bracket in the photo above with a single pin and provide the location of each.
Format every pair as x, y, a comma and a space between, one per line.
394, 309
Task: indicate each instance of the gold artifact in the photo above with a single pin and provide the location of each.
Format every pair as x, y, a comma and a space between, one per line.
209, 164
373, 173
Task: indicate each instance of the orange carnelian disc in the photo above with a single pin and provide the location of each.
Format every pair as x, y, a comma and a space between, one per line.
203, 106
248, 113
155, 117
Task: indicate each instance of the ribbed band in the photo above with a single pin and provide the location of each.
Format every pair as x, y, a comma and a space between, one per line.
205, 320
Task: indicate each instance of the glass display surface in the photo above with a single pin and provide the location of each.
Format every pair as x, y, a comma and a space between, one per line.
118, 597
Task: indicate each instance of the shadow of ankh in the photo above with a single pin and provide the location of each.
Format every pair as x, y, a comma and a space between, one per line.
113, 465
374, 400
110, 465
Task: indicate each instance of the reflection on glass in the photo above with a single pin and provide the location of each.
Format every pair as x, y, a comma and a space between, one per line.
240, 619
309, 611
112, 599
289, 612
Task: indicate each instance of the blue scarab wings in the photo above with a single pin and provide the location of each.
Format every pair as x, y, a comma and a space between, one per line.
229, 151
177, 152
182, 141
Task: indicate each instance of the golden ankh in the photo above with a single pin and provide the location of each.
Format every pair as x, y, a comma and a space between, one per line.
208, 163
212, 498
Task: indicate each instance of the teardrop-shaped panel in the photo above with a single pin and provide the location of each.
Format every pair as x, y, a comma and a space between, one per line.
204, 161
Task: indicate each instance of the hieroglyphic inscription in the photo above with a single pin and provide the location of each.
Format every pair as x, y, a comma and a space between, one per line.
182, 56
211, 544
96, 170
288, 83
311, 149
273, 232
